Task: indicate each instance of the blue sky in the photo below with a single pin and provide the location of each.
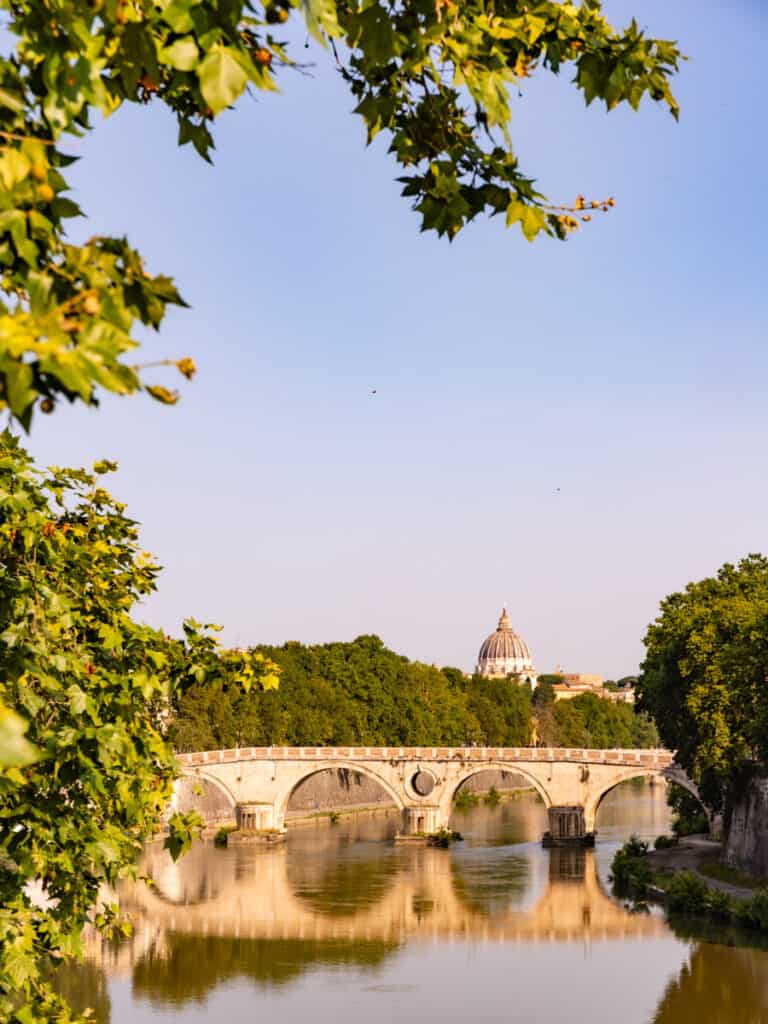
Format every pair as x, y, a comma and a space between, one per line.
575, 429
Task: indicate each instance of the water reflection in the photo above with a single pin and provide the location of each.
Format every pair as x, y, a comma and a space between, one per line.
192, 967
346, 883
339, 903
718, 984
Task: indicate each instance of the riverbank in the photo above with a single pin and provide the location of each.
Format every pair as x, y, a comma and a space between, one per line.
689, 879
700, 855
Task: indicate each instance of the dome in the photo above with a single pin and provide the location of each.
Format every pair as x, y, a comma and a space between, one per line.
504, 653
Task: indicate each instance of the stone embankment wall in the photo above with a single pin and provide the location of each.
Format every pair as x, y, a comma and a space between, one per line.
340, 790
746, 847
344, 790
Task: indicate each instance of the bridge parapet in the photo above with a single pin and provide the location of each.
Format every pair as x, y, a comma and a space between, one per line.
653, 758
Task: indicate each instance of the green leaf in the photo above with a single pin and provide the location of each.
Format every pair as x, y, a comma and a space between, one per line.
222, 79
15, 750
18, 385
532, 220
182, 55
14, 167
322, 19
177, 15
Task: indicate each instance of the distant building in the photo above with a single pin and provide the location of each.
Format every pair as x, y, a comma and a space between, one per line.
504, 653
624, 695
575, 683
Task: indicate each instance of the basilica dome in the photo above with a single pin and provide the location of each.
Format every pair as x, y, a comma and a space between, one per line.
504, 653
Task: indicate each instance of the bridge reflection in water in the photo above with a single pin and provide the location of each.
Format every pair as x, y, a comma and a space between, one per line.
343, 885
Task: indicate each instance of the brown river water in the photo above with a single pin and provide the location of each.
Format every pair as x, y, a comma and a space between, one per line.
339, 924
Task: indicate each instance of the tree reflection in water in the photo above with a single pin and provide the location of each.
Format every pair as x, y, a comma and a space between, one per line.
84, 986
355, 878
194, 966
490, 885
719, 985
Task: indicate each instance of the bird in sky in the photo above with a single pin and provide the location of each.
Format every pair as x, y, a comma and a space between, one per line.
373, 391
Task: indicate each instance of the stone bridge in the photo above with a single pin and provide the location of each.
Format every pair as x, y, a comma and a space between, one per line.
258, 782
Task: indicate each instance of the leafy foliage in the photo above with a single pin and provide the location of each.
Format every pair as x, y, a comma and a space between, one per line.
687, 893
665, 842
704, 675
15, 750
435, 76
630, 871
89, 783
331, 694
361, 693
591, 721
502, 708
690, 818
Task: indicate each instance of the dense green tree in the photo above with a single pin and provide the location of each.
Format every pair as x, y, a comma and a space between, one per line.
331, 694
592, 721
362, 693
544, 693
436, 76
502, 708
704, 676
607, 724
570, 727
549, 678
93, 687
644, 731
689, 816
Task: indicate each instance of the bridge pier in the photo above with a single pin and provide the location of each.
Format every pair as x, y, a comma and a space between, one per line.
567, 827
258, 817
421, 820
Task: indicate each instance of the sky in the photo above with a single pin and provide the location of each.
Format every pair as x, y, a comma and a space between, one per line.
572, 429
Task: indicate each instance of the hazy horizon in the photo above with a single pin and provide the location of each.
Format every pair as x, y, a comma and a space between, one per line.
575, 430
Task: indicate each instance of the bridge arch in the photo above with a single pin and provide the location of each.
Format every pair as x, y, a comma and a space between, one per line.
200, 775
592, 804
512, 767
283, 798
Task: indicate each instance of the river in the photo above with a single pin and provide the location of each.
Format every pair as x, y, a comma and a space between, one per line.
339, 924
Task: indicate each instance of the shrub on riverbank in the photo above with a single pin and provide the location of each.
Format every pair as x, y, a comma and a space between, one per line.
222, 836
687, 894
684, 892
665, 842
465, 800
753, 912
444, 838
630, 872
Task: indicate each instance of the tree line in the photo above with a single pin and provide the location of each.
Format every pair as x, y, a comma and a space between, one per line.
362, 693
